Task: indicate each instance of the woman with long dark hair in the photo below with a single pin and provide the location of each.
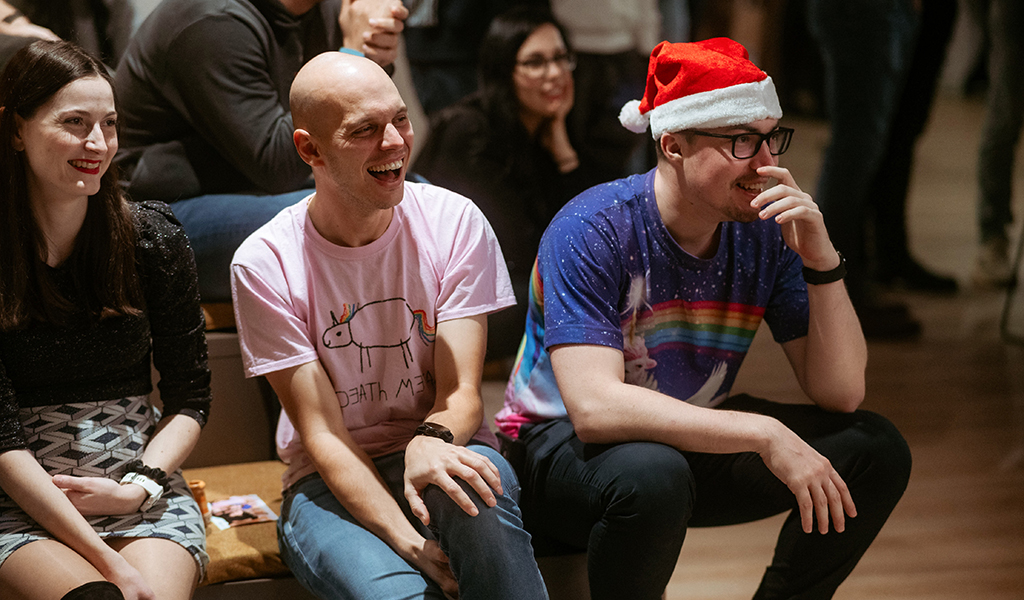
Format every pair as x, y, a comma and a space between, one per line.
508, 148
92, 502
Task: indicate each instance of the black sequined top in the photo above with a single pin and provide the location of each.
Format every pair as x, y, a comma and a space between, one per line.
46, 364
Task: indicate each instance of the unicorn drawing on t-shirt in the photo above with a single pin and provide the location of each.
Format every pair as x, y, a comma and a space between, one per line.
638, 363
378, 324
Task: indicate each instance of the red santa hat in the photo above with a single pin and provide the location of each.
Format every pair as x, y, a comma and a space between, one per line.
707, 84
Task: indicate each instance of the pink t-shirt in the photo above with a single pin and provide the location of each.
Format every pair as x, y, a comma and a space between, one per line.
368, 314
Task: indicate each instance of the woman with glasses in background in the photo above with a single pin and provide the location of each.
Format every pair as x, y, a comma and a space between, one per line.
507, 147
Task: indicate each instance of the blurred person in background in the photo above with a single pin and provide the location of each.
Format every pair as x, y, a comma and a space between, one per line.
442, 42
894, 263
205, 121
509, 148
866, 48
1004, 117
101, 28
613, 40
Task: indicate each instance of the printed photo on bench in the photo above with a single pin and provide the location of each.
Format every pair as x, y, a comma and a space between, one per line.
240, 510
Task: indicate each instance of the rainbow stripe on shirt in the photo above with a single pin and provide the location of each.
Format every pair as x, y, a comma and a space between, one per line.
720, 329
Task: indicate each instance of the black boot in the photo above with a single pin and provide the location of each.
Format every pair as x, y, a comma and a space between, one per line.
883, 321
911, 275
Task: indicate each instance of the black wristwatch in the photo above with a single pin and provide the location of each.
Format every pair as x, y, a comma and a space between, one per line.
434, 430
822, 277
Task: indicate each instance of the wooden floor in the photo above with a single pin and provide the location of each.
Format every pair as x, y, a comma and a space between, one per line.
957, 395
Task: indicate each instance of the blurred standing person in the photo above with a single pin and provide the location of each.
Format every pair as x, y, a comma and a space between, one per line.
675, 20
508, 147
1004, 116
866, 47
894, 263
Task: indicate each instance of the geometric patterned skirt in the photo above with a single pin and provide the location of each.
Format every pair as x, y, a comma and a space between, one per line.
97, 439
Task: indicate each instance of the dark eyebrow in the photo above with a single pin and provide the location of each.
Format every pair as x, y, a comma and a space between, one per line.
742, 129
81, 111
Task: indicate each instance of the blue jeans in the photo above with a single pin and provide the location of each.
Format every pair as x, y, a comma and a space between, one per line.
336, 558
216, 224
1004, 117
629, 505
866, 48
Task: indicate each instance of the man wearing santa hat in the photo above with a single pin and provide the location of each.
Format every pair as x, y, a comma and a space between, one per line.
646, 296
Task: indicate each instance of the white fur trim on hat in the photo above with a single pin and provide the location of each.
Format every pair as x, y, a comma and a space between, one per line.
734, 105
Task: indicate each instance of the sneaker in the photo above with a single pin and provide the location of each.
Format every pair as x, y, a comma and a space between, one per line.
992, 268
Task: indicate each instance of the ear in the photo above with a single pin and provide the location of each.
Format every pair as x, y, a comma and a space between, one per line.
307, 147
671, 146
16, 141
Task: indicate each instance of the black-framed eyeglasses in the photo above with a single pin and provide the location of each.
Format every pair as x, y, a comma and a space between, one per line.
537, 66
746, 145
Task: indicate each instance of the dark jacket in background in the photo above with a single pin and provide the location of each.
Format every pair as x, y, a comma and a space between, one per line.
203, 92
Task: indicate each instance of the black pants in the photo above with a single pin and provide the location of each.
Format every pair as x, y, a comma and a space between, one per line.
629, 505
889, 189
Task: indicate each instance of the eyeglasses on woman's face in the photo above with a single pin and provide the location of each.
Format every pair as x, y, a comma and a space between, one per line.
536, 66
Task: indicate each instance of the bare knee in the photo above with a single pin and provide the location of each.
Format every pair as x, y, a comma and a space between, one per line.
168, 568
44, 570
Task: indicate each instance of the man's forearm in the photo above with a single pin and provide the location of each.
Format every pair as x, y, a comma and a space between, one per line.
835, 356
604, 409
353, 479
458, 360
461, 412
307, 395
659, 418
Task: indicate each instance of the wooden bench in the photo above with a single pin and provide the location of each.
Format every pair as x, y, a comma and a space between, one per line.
220, 316
244, 561
235, 455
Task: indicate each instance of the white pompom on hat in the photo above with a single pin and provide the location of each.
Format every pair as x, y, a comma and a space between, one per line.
707, 84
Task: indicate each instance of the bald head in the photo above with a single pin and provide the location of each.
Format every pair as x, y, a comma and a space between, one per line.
332, 83
353, 129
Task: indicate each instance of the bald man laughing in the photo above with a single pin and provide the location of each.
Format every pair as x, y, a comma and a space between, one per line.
365, 306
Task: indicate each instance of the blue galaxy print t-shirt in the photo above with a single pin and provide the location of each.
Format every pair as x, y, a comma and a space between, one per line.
609, 273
